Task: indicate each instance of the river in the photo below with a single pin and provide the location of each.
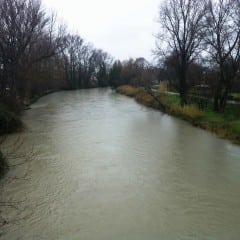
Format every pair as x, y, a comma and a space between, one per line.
98, 166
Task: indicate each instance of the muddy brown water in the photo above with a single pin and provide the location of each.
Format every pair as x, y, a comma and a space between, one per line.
98, 166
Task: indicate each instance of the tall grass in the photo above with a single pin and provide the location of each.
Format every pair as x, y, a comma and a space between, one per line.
127, 90
188, 111
163, 87
145, 99
225, 124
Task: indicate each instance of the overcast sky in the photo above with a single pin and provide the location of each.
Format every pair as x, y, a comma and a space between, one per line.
123, 28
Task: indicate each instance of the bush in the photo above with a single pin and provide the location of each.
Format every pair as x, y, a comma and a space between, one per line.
127, 90
3, 165
9, 122
11, 104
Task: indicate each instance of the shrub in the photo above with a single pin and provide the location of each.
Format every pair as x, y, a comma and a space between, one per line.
11, 104
3, 165
9, 122
128, 90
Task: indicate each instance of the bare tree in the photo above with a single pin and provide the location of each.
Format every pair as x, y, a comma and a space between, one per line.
85, 66
19, 22
223, 45
27, 36
182, 33
73, 55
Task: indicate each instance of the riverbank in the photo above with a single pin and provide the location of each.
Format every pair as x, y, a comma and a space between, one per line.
3, 165
10, 119
10, 122
126, 155
225, 124
35, 98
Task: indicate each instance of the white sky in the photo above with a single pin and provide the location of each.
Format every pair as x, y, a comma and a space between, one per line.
123, 28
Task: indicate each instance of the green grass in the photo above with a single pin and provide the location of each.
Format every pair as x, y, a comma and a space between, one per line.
171, 98
213, 117
235, 126
226, 124
236, 95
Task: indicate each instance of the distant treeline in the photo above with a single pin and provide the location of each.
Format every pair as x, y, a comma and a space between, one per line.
37, 54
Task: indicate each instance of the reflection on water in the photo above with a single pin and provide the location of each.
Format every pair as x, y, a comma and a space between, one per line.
104, 167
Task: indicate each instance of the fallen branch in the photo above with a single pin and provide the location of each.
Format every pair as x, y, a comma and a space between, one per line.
151, 93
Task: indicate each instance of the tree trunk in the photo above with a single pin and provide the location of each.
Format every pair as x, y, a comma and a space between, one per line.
216, 102
221, 93
183, 85
223, 99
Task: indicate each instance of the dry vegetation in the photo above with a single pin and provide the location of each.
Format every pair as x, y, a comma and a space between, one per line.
188, 111
128, 90
225, 124
163, 87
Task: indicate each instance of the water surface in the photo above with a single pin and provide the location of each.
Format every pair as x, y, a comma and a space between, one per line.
101, 167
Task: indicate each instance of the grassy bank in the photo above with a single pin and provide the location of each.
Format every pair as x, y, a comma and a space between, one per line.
225, 124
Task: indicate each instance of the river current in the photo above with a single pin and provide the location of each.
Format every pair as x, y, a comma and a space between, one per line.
95, 165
